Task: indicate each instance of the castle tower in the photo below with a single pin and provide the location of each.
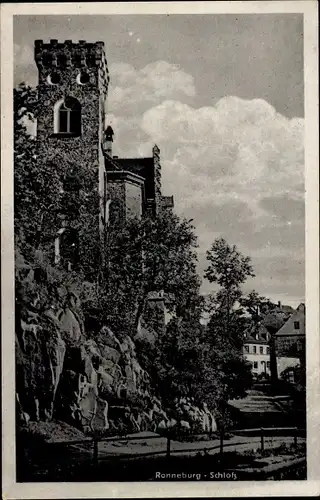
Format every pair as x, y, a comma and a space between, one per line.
73, 85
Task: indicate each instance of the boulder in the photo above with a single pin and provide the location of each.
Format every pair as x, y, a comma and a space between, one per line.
70, 326
110, 353
43, 357
100, 421
108, 338
105, 384
92, 348
67, 399
87, 406
56, 350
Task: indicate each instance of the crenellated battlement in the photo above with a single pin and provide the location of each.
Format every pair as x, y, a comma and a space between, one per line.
67, 54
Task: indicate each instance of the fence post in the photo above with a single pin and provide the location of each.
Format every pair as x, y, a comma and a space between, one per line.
262, 439
95, 451
221, 445
168, 445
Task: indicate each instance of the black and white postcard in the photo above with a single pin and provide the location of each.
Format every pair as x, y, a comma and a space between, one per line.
160, 249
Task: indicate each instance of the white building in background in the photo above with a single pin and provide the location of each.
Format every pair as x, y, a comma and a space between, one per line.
256, 351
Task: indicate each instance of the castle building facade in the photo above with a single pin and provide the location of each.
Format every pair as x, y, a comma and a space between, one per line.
73, 136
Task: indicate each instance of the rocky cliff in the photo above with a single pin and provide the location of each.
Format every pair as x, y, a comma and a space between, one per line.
95, 384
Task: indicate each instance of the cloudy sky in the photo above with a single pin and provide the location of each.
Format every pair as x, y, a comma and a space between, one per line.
222, 96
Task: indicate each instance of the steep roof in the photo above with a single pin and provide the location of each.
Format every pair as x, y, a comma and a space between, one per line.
252, 340
258, 335
297, 317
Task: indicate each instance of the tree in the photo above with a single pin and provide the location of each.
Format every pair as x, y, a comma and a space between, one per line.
154, 254
229, 269
227, 266
37, 184
257, 306
175, 361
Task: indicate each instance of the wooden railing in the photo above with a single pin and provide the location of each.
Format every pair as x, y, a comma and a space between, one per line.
262, 432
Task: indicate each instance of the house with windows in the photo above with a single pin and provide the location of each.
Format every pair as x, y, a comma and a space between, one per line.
290, 340
257, 345
256, 350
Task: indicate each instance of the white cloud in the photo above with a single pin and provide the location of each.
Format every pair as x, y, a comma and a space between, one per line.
23, 54
133, 91
237, 149
236, 168
25, 69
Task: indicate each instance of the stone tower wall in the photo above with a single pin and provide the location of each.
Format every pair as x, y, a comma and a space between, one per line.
66, 62
157, 179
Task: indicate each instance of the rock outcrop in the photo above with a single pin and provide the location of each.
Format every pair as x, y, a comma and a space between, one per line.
40, 353
95, 384
61, 374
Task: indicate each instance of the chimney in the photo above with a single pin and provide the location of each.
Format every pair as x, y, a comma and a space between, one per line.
108, 140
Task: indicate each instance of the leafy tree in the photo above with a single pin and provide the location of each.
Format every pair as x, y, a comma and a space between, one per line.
37, 184
257, 306
227, 266
175, 361
144, 256
229, 269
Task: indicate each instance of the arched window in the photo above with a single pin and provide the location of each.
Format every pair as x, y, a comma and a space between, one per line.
68, 117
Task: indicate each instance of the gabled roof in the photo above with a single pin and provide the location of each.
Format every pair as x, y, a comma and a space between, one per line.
297, 317
256, 335
251, 340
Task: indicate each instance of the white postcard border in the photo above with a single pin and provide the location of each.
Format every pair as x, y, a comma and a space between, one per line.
311, 487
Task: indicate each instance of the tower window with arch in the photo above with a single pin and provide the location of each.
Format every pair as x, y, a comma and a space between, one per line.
68, 117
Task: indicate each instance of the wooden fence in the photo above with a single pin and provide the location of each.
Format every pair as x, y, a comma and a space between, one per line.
262, 432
